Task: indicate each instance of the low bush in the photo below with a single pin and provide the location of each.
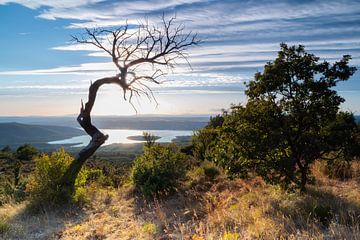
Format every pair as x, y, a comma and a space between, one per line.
207, 171
11, 193
12, 183
159, 169
26, 152
211, 171
44, 183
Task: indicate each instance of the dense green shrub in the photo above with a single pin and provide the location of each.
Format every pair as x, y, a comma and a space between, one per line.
203, 141
12, 193
6, 153
206, 171
94, 175
159, 169
12, 183
44, 183
26, 152
211, 171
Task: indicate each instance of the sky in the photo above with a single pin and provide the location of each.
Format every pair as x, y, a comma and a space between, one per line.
42, 72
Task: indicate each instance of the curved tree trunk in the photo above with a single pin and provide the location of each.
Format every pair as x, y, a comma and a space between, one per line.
97, 138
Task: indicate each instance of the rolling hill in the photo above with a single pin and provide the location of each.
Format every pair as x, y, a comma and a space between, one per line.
15, 134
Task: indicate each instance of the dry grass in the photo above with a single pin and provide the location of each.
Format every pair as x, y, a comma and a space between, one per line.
23, 223
222, 209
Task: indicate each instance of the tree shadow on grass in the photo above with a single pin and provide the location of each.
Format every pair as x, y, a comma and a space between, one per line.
24, 222
174, 214
185, 212
317, 210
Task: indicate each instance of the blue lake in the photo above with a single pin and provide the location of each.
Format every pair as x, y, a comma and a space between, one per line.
120, 136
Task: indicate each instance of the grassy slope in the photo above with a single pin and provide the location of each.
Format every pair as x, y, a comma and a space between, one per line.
225, 209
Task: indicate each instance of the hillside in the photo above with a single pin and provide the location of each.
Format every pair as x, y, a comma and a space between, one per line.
222, 209
15, 134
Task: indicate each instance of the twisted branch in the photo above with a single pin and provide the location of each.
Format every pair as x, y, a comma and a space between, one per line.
129, 51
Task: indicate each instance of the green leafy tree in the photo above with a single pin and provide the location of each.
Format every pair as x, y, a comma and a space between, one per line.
289, 120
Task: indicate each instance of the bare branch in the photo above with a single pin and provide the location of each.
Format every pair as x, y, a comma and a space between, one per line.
157, 47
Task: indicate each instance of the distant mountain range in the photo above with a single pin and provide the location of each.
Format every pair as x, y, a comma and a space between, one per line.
38, 130
141, 122
15, 134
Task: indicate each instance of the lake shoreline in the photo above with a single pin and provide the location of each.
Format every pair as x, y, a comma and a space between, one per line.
126, 136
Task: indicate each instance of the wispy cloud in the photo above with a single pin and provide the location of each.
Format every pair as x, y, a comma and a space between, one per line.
34, 4
85, 69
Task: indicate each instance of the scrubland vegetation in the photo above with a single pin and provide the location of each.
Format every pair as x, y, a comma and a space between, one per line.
203, 204
284, 166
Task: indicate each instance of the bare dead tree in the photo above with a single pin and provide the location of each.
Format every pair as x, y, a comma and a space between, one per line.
141, 56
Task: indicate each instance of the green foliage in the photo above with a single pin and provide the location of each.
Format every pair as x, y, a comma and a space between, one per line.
6, 149
6, 153
216, 121
94, 174
44, 183
203, 141
159, 169
149, 228
344, 141
244, 137
12, 184
291, 119
4, 225
26, 152
344, 146
149, 139
108, 172
211, 171
206, 170
6, 191
12, 193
